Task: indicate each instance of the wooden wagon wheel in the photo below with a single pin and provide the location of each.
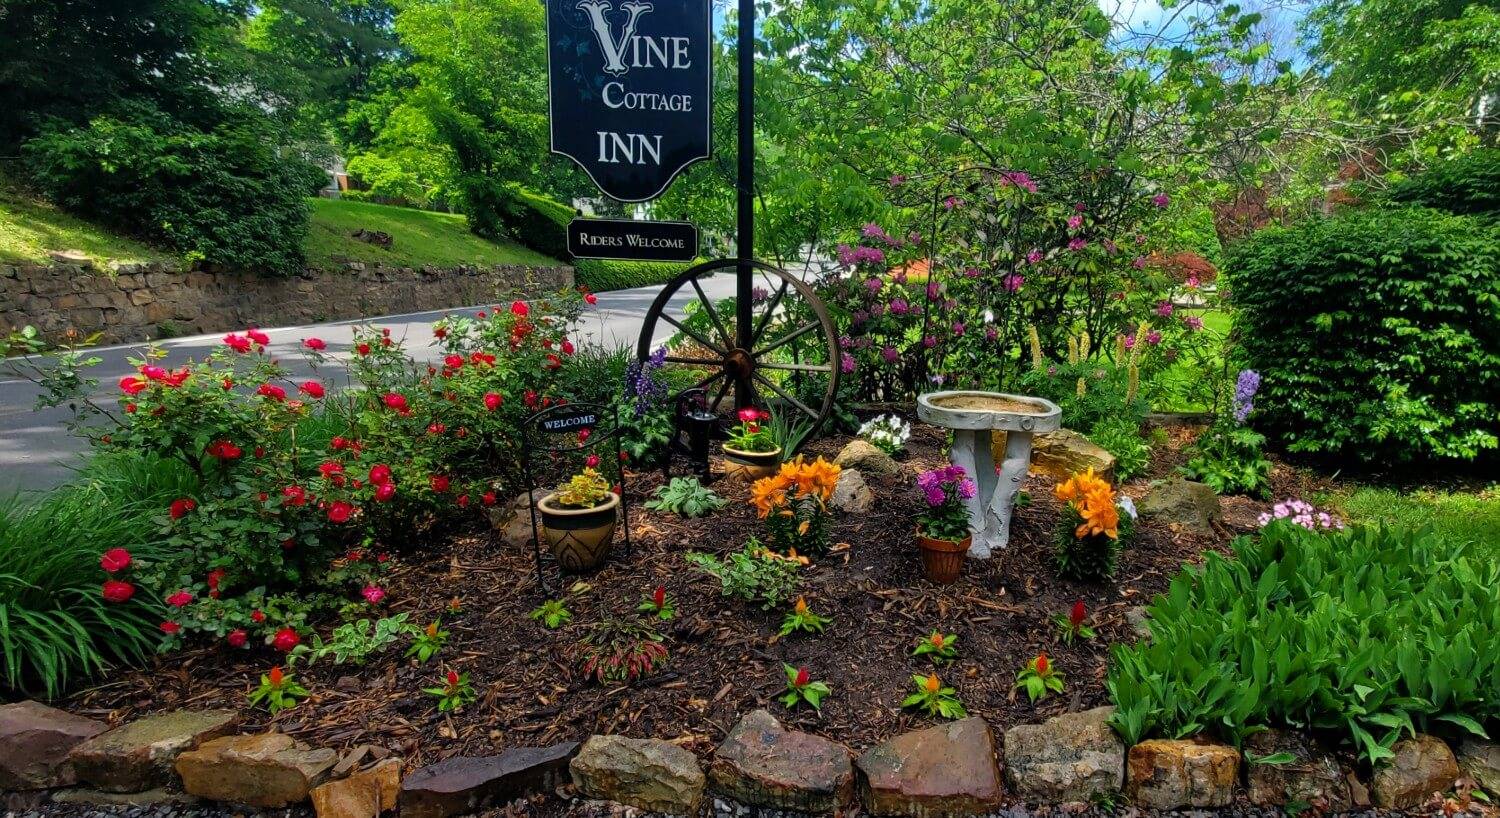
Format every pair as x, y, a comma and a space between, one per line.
793, 355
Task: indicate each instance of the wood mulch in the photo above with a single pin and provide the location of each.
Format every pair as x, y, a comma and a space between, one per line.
724, 658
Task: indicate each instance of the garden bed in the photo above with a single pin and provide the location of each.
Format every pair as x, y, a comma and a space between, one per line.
724, 659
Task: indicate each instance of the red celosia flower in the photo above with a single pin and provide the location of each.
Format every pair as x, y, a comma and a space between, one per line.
272, 391
340, 512
117, 591
384, 492
181, 506
312, 389
115, 559
258, 337
396, 401
1043, 664
170, 628
439, 483
453, 676
1077, 614
131, 385
492, 400
659, 596
179, 599
803, 677
519, 308
315, 344
238, 343
285, 639
373, 594
237, 638
224, 450
380, 474
257, 616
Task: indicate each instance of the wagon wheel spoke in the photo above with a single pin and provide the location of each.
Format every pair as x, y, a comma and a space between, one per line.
706, 381
795, 367
692, 333
788, 338
765, 320
722, 393
713, 314
678, 359
813, 413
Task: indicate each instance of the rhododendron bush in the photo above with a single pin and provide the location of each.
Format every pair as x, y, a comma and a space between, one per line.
304, 486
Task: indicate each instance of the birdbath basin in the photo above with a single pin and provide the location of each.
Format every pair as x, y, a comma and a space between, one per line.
974, 417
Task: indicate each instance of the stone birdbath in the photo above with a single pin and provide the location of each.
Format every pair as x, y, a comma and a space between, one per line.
974, 417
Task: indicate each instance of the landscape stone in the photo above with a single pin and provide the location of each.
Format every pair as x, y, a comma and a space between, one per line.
649, 774
262, 770
1064, 453
1313, 776
1173, 774
1139, 620
462, 784
851, 494
762, 764
364, 794
1193, 507
157, 796
1072, 757
865, 457
139, 755
512, 520
945, 770
1480, 760
1423, 765
34, 744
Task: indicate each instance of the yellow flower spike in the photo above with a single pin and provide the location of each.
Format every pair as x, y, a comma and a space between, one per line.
932, 684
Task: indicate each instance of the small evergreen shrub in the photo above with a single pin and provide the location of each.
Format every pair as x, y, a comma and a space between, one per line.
1376, 333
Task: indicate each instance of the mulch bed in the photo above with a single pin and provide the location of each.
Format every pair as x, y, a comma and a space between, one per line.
724, 658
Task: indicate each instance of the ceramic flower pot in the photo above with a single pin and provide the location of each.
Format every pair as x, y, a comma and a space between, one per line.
749, 466
578, 537
943, 560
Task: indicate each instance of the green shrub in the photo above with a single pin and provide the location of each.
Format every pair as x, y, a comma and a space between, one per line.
1105, 395
1121, 437
1468, 184
536, 221
229, 196
1227, 457
603, 275
1376, 333
1367, 633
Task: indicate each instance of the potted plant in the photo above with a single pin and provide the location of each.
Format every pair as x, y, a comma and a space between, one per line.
943, 528
578, 520
751, 451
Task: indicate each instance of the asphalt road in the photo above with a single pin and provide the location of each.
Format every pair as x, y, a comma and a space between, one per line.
37, 452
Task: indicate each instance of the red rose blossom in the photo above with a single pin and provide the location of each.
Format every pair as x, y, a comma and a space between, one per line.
380, 474
272, 391
224, 450
238, 343
179, 599
396, 401
117, 591
257, 616
131, 385
362, 348
286, 639
312, 389
258, 337
384, 492
115, 559
519, 308
591, 298
317, 344
439, 483
237, 638
181, 506
340, 512
493, 400
170, 628
373, 594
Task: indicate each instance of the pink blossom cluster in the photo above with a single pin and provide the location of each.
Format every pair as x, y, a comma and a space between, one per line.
1301, 513
936, 484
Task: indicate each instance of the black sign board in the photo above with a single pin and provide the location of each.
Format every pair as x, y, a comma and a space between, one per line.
568, 419
633, 240
628, 88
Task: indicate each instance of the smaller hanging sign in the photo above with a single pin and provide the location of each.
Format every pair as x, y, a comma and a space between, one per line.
567, 418
632, 240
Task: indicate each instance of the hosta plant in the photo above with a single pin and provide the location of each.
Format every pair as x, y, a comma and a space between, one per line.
278, 691
427, 643
937, 647
1074, 624
686, 497
1040, 678
934, 698
801, 688
658, 605
802, 618
616, 651
794, 505
455, 692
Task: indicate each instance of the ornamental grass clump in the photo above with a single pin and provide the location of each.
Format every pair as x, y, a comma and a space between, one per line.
1094, 525
794, 504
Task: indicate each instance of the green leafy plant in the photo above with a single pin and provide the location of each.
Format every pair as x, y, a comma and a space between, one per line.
1227, 457
586, 489
552, 614
938, 648
617, 651
802, 618
353, 642
801, 688
278, 691
427, 643
752, 433
1122, 438
1366, 633
1040, 678
933, 698
686, 497
754, 574
788, 432
455, 692
659, 604
1074, 624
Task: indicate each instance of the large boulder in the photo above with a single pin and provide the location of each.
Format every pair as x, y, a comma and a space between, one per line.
1073, 757
762, 764
34, 743
1480, 760
1192, 507
865, 457
1313, 776
1062, 454
945, 770
1174, 774
648, 774
364, 794
1423, 765
851, 494
459, 785
139, 755
264, 770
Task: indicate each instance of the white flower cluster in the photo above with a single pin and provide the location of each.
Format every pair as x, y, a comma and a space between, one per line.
887, 433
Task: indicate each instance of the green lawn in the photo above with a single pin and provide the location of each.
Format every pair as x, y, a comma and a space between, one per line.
30, 229
420, 237
1472, 516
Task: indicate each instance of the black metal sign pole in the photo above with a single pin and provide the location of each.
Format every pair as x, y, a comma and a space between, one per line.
745, 183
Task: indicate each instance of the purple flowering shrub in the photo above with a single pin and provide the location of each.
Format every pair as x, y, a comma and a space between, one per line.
947, 516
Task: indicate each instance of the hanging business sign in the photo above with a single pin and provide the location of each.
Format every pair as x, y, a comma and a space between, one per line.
632, 239
629, 86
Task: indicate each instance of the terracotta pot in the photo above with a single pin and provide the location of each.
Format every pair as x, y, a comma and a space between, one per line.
943, 560
749, 466
578, 537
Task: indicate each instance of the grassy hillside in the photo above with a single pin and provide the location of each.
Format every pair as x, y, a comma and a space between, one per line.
29, 229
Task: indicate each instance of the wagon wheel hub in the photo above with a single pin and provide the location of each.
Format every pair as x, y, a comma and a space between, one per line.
739, 364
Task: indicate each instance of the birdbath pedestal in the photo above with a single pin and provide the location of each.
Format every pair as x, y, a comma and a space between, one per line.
974, 417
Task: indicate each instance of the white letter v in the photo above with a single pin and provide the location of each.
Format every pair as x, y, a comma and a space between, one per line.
614, 50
